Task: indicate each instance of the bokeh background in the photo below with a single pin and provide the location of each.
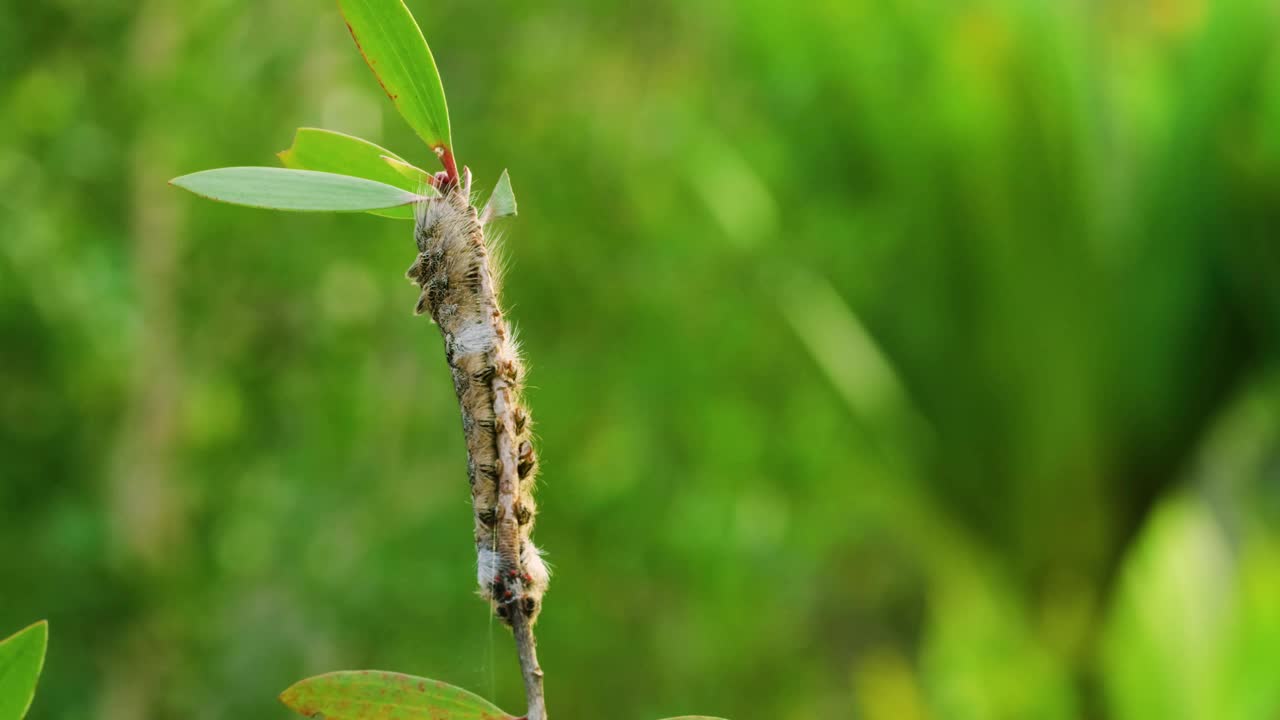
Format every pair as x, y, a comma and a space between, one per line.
892, 360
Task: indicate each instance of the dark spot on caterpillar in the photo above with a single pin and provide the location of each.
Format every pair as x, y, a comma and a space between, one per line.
490, 470
521, 418
436, 289
523, 516
529, 606
473, 279
427, 265
488, 517
484, 375
421, 307
526, 459
502, 611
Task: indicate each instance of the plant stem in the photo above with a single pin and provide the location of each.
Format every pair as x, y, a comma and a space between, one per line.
527, 648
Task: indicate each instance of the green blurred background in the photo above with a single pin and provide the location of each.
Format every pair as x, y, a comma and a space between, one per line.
892, 360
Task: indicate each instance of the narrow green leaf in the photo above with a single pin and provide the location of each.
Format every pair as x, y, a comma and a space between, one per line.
376, 695
335, 152
21, 660
300, 190
502, 202
415, 175
392, 44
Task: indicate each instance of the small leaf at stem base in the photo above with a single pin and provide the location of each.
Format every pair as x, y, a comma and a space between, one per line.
417, 176
342, 154
502, 202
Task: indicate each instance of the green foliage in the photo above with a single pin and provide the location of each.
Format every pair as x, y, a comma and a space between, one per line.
335, 152
1044, 235
502, 202
21, 659
393, 46
415, 175
299, 190
375, 695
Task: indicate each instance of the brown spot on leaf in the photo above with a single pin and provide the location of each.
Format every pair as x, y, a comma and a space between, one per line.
368, 61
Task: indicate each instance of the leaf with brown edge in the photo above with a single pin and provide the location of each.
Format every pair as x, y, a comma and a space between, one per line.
378, 695
395, 50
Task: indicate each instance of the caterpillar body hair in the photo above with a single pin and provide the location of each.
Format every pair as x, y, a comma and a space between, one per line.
457, 276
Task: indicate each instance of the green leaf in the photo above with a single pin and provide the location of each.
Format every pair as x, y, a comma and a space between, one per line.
300, 190
502, 202
392, 44
21, 659
335, 152
1171, 614
376, 695
415, 175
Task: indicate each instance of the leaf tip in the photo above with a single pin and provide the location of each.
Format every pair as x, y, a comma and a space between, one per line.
289, 697
39, 628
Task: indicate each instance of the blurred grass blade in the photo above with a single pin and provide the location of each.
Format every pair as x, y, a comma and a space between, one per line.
335, 152
372, 694
416, 176
837, 340
502, 202
298, 190
1171, 616
392, 44
21, 660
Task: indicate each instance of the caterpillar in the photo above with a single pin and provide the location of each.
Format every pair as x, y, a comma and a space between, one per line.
460, 291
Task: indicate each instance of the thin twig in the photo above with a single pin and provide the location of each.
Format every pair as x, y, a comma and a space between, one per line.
527, 648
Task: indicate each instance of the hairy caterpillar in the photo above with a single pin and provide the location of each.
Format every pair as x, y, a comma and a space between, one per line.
460, 292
